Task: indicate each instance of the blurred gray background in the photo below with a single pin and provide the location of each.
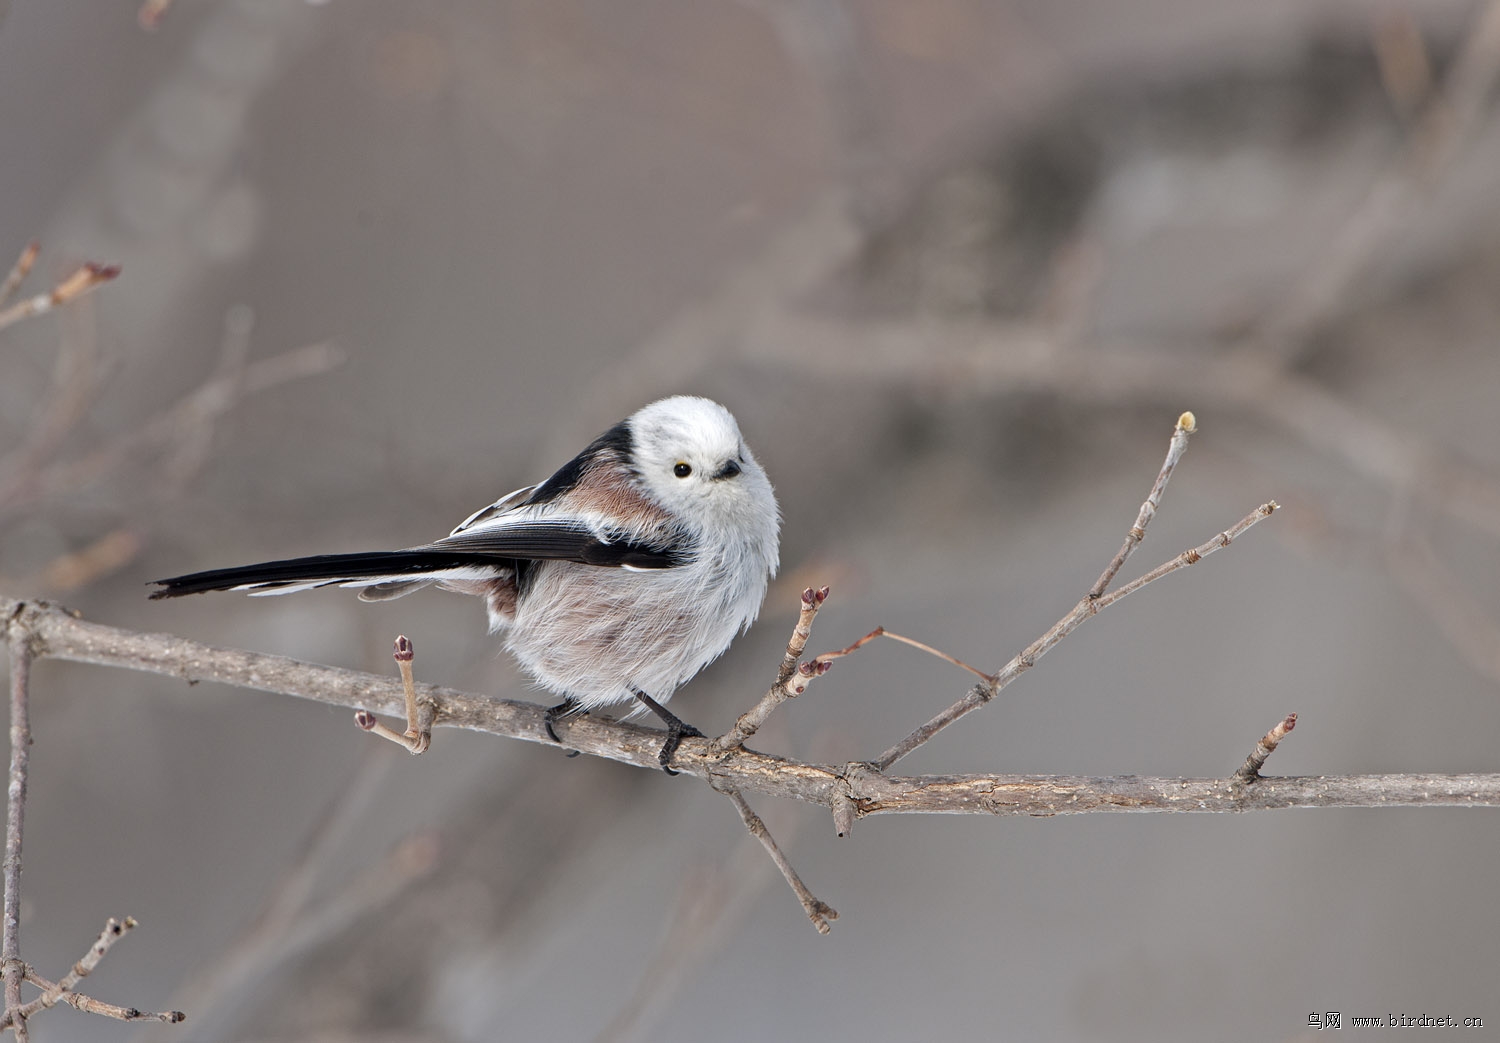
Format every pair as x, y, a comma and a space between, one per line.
956, 267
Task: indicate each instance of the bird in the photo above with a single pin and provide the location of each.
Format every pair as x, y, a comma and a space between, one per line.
614, 581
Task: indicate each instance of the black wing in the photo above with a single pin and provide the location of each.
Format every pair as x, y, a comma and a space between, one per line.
489, 547
543, 541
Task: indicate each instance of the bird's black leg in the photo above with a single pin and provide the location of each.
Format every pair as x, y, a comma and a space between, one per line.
561, 712
676, 729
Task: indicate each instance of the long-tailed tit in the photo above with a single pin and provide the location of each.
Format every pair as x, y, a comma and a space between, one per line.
615, 580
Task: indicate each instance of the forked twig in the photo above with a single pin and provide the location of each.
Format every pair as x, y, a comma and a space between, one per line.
1085, 609
63, 990
791, 679
1191, 556
1095, 601
418, 734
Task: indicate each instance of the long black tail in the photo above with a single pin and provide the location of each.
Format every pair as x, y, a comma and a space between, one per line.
390, 565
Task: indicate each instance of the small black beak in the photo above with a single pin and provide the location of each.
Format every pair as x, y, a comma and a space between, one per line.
729, 470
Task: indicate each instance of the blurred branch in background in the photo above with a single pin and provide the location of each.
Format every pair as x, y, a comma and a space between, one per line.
713, 899
83, 279
19, 271
156, 460
1448, 122
152, 12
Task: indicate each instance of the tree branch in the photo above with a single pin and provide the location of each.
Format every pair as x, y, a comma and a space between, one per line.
58, 634
19, 641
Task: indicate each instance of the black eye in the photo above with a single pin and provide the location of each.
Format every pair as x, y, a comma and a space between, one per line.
682, 470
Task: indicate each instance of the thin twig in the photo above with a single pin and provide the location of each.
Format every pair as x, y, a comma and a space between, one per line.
819, 912
113, 931
1191, 557
19, 271
89, 1005
21, 652
1186, 425
84, 278
822, 660
791, 680
418, 734
1250, 770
